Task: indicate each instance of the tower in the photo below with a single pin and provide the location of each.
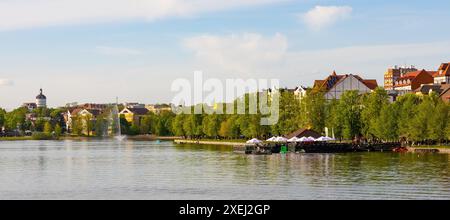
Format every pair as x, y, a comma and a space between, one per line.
41, 100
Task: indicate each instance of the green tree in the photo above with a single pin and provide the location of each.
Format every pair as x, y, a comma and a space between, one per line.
58, 130
386, 126
177, 125
349, 109
438, 121
372, 104
48, 128
2, 117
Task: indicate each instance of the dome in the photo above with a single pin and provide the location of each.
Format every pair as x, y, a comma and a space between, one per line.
41, 96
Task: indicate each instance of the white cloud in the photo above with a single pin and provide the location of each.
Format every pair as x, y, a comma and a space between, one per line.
117, 51
19, 14
323, 16
238, 53
6, 82
258, 56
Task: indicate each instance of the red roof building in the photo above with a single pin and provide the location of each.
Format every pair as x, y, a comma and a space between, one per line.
335, 85
442, 76
413, 80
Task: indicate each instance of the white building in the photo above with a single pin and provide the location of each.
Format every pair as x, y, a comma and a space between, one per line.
41, 100
442, 76
335, 85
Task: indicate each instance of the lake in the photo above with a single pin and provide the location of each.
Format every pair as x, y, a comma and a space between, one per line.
108, 169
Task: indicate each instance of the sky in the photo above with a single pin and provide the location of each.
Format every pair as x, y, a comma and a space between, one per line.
96, 50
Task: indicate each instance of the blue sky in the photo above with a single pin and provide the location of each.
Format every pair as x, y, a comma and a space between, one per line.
92, 51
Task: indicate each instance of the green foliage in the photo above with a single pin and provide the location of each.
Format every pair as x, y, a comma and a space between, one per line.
58, 130
48, 128
41, 136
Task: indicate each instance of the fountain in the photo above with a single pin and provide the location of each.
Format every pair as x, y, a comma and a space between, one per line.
114, 129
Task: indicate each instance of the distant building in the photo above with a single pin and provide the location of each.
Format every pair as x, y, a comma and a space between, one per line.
90, 114
412, 81
442, 76
134, 115
300, 92
393, 74
443, 90
159, 108
335, 85
30, 106
41, 100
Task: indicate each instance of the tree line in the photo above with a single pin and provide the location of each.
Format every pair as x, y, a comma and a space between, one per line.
413, 118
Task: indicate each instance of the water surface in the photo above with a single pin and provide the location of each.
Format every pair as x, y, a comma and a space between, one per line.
150, 170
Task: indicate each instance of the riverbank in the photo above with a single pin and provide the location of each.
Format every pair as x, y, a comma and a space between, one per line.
442, 149
85, 138
210, 142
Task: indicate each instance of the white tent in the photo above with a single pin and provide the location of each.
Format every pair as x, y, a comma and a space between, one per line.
272, 139
281, 139
294, 139
324, 139
254, 141
307, 139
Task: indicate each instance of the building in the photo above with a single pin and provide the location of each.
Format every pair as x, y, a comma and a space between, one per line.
30, 106
335, 85
134, 115
159, 108
300, 92
442, 76
412, 81
41, 100
445, 94
304, 133
90, 114
443, 90
393, 74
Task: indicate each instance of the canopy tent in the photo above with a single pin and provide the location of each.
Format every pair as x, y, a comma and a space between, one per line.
324, 139
281, 139
272, 139
307, 139
294, 139
254, 141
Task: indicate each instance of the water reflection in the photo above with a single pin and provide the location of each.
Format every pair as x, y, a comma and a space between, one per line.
105, 169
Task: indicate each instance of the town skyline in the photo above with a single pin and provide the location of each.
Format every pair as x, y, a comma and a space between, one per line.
92, 57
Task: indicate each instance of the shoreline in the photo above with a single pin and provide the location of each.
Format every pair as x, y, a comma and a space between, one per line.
223, 143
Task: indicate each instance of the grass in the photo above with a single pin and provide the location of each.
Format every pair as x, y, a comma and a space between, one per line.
433, 147
15, 138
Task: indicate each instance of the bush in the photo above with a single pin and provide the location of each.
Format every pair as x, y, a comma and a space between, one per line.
42, 136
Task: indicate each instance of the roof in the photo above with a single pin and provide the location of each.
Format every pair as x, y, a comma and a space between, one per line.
138, 111
444, 70
303, 132
334, 79
41, 96
371, 83
412, 75
425, 89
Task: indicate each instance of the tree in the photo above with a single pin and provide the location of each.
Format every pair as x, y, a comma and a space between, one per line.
313, 110
177, 125
372, 104
386, 125
58, 130
349, 110
48, 128
419, 123
2, 117
438, 122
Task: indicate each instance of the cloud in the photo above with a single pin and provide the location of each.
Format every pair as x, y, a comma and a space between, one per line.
259, 56
117, 51
323, 16
238, 53
6, 82
21, 14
